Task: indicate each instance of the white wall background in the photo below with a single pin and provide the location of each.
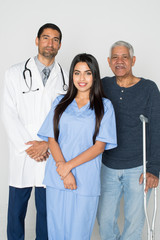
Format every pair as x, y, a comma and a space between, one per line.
88, 26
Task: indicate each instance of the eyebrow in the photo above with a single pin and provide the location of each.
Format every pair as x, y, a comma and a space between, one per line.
45, 35
116, 54
80, 71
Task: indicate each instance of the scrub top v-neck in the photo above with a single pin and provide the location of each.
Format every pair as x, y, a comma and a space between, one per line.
76, 129
81, 108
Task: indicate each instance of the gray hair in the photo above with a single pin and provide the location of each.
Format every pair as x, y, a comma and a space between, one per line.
125, 44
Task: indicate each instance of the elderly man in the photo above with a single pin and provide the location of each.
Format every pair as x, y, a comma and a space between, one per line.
122, 167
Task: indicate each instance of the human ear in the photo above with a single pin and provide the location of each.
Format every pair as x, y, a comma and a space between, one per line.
109, 61
133, 60
37, 41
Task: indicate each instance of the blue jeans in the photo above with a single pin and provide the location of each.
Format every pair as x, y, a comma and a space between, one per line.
17, 207
114, 184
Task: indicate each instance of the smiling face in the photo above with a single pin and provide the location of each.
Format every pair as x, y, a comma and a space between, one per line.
48, 43
120, 62
82, 77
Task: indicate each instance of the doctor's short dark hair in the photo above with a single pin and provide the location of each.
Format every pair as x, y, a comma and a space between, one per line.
52, 26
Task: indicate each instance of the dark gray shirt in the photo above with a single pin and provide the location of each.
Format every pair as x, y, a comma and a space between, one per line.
129, 104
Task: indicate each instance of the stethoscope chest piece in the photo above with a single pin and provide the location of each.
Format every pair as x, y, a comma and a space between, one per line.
65, 87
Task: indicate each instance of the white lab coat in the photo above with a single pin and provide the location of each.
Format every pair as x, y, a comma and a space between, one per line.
23, 115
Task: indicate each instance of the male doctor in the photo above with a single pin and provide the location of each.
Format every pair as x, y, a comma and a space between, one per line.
29, 89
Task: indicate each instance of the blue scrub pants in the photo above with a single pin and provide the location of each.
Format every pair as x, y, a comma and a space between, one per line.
70, 216
114, 184
17, 207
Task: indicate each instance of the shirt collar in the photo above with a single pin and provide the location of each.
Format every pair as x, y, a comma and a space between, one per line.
41, 66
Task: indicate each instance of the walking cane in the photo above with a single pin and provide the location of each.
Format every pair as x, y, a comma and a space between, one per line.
150, 227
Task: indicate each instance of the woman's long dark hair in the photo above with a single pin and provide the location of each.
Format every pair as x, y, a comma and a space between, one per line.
96, 93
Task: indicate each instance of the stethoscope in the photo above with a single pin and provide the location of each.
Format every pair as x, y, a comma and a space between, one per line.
26, 69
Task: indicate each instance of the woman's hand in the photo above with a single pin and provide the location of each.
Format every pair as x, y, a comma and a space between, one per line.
70, 182
63, 169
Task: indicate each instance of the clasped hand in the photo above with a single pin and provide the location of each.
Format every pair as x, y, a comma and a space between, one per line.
63, 169
38, 150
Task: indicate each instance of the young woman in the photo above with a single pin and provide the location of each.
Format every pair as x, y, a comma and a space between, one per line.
78, 128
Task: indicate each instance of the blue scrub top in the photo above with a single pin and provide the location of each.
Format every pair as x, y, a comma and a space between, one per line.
76, 129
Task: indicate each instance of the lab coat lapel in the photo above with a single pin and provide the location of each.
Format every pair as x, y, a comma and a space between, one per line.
53, 76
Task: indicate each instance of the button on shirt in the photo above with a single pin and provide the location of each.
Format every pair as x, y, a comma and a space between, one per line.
129, 103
